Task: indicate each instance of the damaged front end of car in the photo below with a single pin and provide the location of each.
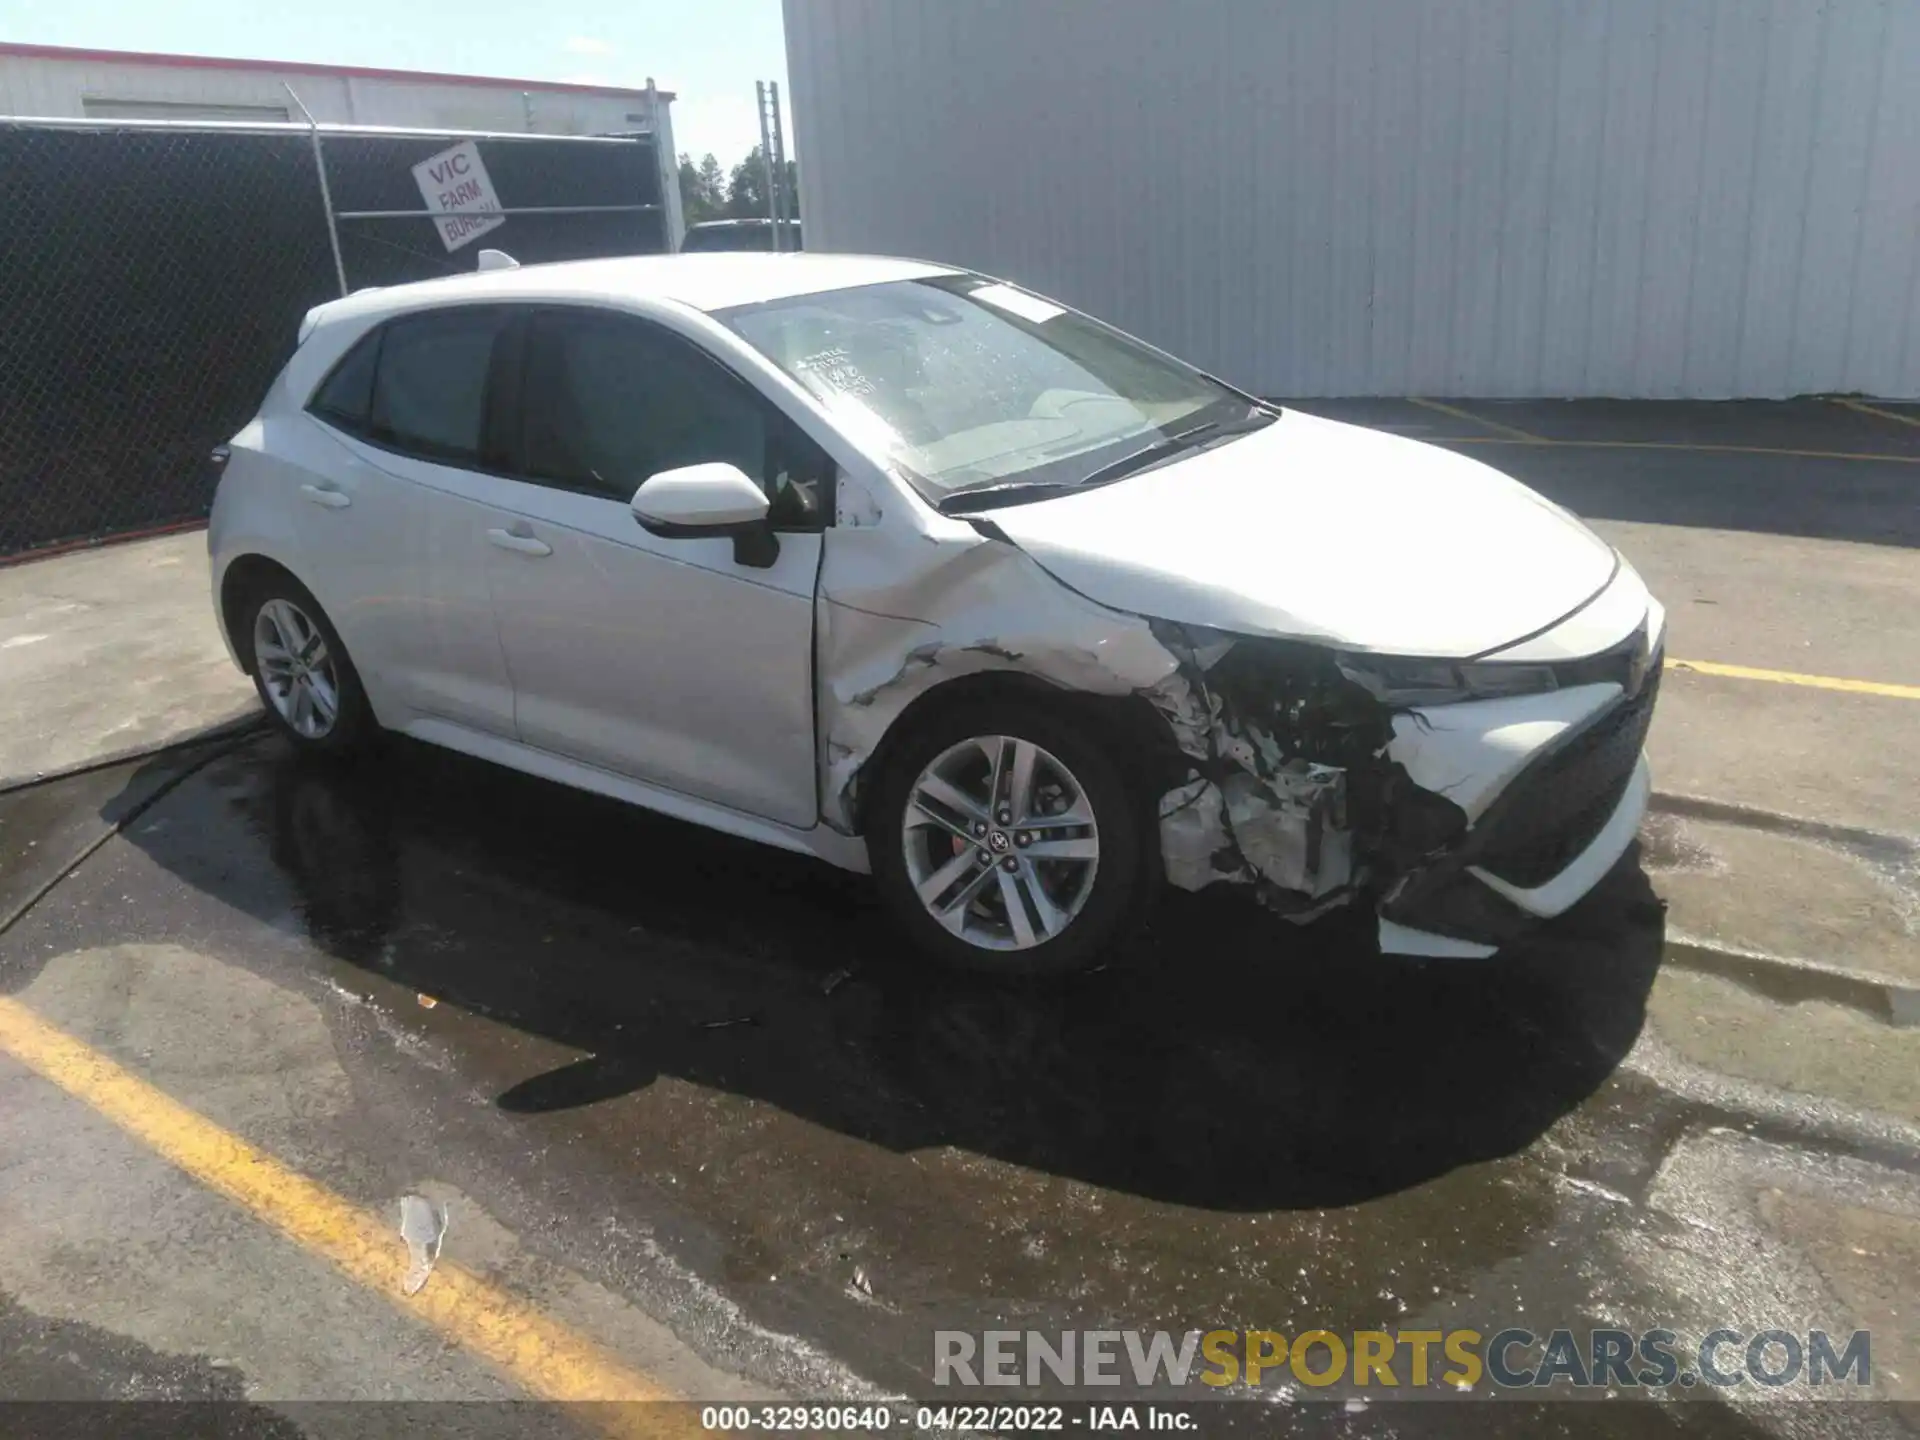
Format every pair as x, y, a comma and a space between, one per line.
1463, 801
1292, 787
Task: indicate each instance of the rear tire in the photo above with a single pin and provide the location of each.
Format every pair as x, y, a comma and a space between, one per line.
1006, 841
300, 668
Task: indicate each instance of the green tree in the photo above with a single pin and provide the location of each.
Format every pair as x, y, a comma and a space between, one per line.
713, 185
689, 186
747, 188
703, 192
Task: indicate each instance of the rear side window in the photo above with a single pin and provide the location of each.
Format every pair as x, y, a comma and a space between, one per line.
430, 385
346, 398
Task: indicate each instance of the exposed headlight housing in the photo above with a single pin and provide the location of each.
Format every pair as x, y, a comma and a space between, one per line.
1395, 681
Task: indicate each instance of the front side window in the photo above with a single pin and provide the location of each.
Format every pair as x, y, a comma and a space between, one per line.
968, 385
429, 392
610, 401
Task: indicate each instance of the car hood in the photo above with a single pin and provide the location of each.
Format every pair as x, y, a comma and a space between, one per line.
1321, 531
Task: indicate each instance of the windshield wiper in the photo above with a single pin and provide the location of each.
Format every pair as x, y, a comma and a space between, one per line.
1147, 454
1167, 446
983, 497
1196, 438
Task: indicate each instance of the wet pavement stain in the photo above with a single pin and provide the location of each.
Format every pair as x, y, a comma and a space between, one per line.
64, 1360
47, 825
1244, 1122
68, 1379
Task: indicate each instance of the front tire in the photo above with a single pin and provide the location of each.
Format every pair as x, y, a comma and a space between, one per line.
301, 670
1005, 840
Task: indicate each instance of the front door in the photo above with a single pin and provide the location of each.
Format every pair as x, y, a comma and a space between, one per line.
671, 661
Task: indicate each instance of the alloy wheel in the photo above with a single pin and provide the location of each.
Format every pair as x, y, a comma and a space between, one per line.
1001, 843
296, 670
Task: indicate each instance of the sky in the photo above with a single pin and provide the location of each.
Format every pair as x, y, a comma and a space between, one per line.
709, 52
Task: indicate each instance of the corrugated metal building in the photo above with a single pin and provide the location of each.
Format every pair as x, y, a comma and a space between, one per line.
55, 82
1647, 198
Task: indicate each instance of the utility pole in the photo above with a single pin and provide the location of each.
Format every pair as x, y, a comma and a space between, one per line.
773, 151
783, 202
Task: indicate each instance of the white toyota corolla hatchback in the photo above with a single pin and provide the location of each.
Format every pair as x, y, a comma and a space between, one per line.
919, 572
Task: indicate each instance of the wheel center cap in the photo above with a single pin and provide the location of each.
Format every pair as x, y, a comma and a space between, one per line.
997, 842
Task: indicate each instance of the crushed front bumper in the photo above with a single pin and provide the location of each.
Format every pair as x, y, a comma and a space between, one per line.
1473, 902
1546, 837
1464, 824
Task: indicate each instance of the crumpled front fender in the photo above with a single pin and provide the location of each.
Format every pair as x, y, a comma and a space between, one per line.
1282, 780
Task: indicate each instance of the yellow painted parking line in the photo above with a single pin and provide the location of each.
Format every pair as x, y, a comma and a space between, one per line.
1790, 677
1675, 445
1866, 409
539, 1354
1510, 432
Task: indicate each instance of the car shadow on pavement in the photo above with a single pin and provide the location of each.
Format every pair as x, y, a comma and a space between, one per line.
1234, 1062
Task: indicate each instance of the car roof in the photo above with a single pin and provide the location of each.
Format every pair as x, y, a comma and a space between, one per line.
706, 282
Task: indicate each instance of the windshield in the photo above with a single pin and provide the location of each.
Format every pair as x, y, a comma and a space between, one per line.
966, 384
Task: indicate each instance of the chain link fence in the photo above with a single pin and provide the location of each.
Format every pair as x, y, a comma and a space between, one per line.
152, 279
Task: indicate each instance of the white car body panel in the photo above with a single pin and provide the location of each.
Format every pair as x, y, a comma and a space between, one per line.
548, 631
614, 644
249, 517
1615, 613
1290, 532
842, 851
902, 613
1397, 939
404, 580
1469, 752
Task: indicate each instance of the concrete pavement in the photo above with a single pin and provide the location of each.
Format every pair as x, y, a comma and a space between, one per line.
110, 651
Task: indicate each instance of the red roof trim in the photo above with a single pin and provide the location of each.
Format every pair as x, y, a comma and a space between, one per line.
302, 67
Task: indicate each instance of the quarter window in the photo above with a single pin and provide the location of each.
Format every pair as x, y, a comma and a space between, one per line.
346, 397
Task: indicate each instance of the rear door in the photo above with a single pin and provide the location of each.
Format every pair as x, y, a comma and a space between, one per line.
397, 539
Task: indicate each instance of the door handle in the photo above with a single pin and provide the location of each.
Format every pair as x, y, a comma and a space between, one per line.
321, 495
519, 544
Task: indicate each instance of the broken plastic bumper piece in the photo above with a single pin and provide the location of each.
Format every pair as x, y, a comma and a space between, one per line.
1480, 902
1466, 823
1545, 840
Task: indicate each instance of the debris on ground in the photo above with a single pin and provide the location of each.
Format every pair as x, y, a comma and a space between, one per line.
834, 981
423, 1225
427, 1002
730, 1020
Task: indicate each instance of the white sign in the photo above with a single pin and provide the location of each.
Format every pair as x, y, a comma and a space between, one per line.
457, 190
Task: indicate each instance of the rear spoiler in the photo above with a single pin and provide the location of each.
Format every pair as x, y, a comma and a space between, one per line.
313, 316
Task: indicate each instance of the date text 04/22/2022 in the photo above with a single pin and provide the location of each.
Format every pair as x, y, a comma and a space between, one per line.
1095, 1418
1000, 1418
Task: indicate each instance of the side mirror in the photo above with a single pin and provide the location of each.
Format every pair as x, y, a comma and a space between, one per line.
699, 501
